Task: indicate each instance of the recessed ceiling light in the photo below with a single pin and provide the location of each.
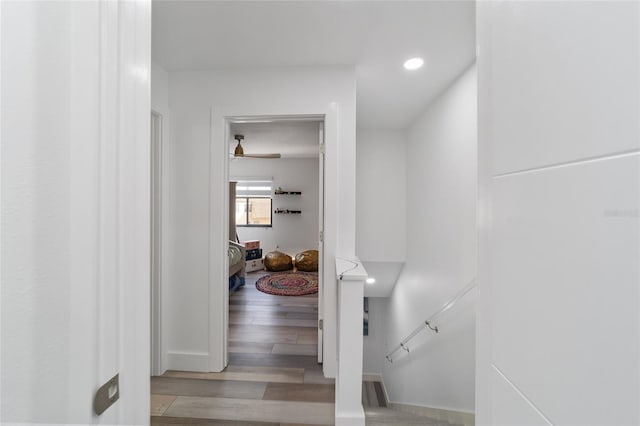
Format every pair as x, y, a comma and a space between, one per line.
413, 63
370, 280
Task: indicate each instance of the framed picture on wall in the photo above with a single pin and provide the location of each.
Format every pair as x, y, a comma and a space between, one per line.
365, 320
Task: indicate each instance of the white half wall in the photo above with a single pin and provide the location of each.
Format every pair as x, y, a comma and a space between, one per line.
293, 233
199, 101
439, 371
559, 169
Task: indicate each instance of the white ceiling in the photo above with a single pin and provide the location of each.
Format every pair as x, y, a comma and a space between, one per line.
385, 274
374, 36
290, 139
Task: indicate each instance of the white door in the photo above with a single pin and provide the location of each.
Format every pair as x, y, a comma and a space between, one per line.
321, 241
559, 201
75, 210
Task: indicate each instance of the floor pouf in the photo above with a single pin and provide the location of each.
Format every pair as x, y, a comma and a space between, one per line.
276, 261
307, 261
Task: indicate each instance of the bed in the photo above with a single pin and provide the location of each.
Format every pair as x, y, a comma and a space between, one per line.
237, 264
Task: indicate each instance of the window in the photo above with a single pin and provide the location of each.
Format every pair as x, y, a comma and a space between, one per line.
253, 203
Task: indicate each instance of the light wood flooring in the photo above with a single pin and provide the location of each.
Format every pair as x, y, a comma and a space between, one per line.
273, 378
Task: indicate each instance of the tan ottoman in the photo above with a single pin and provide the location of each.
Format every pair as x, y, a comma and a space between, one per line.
276, 261
307, 261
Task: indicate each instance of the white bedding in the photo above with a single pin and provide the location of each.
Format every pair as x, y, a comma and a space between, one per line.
235, 255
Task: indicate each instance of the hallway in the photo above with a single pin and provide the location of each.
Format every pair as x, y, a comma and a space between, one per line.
272, 378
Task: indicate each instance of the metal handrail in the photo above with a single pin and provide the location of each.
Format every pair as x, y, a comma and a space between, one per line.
428, 323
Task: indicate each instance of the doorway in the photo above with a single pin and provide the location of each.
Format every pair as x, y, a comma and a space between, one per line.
256, 322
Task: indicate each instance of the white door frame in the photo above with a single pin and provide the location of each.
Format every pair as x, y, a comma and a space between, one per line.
156, 243
320, 119
320, 241
218, 288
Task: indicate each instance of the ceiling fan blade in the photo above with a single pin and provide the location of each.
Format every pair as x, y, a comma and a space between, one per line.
262, 155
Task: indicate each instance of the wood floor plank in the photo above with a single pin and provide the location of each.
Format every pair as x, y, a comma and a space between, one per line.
389, 417
296, 424
306, 309
321, 413
250, 347
316, 376
271, 321
272, 337
246, 373
307, 340
302, 315
294, 361
160, 403
207, 388
263, 370
260, 314
285, 322
249, 295
299, 392
165, 421
259, 329
288, 349
301, 303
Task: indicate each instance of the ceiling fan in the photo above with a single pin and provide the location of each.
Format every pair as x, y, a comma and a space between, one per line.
239, 151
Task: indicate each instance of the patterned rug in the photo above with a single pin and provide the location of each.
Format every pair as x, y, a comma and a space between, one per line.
289, 283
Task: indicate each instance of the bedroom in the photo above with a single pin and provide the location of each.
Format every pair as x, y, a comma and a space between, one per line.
275, 206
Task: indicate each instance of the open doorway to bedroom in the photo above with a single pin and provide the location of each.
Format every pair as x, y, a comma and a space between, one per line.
275, 218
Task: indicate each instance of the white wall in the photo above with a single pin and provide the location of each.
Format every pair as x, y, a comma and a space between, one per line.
381, 227
159, 89
160, 104
373, 345
381, 230
558, 329
75, 214
292, 233
439, 371
199, 102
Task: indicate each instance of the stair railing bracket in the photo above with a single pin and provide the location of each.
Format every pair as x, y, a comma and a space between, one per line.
432, 328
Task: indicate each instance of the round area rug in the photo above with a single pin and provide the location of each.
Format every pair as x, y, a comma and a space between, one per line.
289, 283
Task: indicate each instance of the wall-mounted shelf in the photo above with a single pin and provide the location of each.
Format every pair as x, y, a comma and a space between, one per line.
280, 191
287, 211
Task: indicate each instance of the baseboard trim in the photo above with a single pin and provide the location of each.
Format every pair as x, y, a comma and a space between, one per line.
371, 377
350, 419
188, 361
451, 416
